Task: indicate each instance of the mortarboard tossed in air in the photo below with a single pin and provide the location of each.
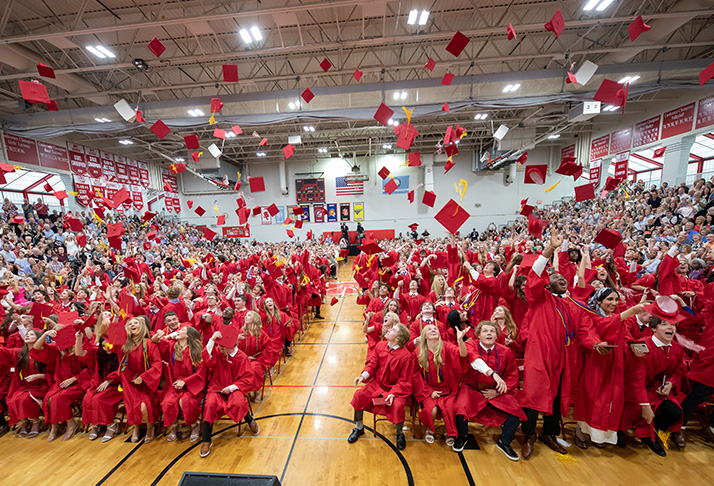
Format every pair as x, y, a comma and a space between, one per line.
414, 159
556, 23
334, 301
52, 106
257, 184
452, 216
447, 79
430, 64
569, 168
230, 73
383, 114
523, 158
608, 238
236, 129
290, 233
229, 336
298, 224
406, 134
288, 151
160, 129
637, 27
122, 196
571, 78
457, 44
298, 210
621, 97
511, 32
45, 71
189, 203
526, 209
74, 223
177, 168
156, 47
148, 216
706, 74
535, 226
611, 183
449, 164
82, 239
307, 95
659, 152
47, 187
370, 247
357, 74
607, 92
218, 133
390, 186
383, 173
256, 211
584, 192
216, 105
273, 209
410, 196
413, 226
209, 234
221, 220
325, 65
429, 198
535, 174
61, 195
445, 107
34, 92
199, 210
191, 142
263, 142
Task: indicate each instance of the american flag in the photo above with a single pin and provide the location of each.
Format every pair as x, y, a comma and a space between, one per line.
345, 188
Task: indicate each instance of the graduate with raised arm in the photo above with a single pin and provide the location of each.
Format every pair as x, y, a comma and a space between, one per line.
555, 322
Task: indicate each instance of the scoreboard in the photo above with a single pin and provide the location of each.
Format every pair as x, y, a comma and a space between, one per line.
310, 190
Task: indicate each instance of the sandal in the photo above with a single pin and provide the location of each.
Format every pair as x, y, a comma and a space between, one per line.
35, 431
94, 432
135, 435
149, 433
109, 434
450, 441
22, 431
195, 431
579, 439
54, 432
171, 436
429, 437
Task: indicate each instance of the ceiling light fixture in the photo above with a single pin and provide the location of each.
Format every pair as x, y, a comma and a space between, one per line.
230, 134
603, 5
629, 79
101, 52
387, 146
260, 154
257, 36
554, 136
102, 120
245, 36
179, 159
322, 150
126, 142
195, 112
480, 116
411, 20
423, 17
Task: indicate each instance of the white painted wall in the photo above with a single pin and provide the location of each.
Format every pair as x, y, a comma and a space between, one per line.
499, 203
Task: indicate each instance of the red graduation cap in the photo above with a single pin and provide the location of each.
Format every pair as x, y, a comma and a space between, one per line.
452, 216
273, 209
263, 142
383, 114
568, 168
584, 192
218, 133
325, 65
334, 301
511, 32
287, 221
236, 129
449, 164
659, 152
243, 214
209, 234
357, 74
447, 79
160, 129
230, 73
216, 105
257, 184
47, 187
167, 187
309, 235
637, 27
200, 211
307, 95
621, 97
390, 186
430, 64
410, 196
429, 198
61, 195
139, 117
195, 156
288, 151
156, 47
82, 239
451, 149
229, 336
133, 274
527, 209
414, 159
413, 226
298, 224
34, 92
74, 224
298, 210
383, 173
667, 309
65, 337
535, 226
556, 23
40, 311
256, 211
370, 247
148, 216
535, 174
607, 92
122, 196
45, 71
445, 107
52, 105
151, 234
189, 203
99, 212
177, 168
344, 252
115, 229
608, 238
290, 233
406, 135
221, 220
67, 318
571, 78
523, 158
457, 44
116, 334
706, 74
241, 202
611, 183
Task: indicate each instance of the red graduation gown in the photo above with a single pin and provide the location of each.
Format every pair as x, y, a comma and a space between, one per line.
100, 408
225, 371
194, 377
144, 361
390, 372
256, 347
23, 398
446, 380
57, 403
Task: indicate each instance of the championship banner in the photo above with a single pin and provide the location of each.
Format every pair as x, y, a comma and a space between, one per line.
133, 169
169, 204
84, 190
98, 188
236, 231
305, 216
121, 169
177, 205
77, 161
108, 171
595, 172
621, 162
94, 162
172, 181
332, 213
137, 197
111, 189
144, 173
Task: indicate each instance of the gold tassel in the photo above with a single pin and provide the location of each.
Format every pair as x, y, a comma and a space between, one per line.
461, 191
212, 120
548, 189
664, 437
409, 114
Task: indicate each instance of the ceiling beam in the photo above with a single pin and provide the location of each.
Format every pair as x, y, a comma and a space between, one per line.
645, 159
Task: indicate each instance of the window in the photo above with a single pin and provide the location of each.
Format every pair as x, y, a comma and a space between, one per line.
692, 172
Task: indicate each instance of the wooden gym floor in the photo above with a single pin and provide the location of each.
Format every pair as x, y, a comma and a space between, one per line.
305, 419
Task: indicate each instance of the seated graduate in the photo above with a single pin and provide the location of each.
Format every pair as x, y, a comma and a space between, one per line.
488, 395
652, 381
389, 383
232, 377
436, 381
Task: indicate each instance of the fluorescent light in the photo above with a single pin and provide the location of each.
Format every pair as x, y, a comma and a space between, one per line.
105, 51
256, 33
603, 5
322, 150
126, 142
480, 116
179, 159
390, 122
403, 95
412, 17
610, 108
312, 129
309, 128
515, 87
260, 154
554, 136
291, 105
102, 120
507, 88
230, 134
624, 80
246, 36
396, 123
423, 17
395, 96
195, 112
590, 5
387, 146
629, 79
96, 52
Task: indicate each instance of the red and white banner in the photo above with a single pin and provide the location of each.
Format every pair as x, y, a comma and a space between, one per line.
84, 190
20, 149
110, 189
94, 162
144, 173
169, 204
677, 122
121, 169
172, 181
646, 131
705, 112
621, 140
138, 198
77, 160
133, 169
621, 163
595, 171
177, 205
599, 147
265, 217
568, 151
108, 171
53, 156
236, 231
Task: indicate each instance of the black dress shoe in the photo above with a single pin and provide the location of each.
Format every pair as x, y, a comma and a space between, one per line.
459, 443
355, 435
655, 447
507, 450
621, 439
401, 441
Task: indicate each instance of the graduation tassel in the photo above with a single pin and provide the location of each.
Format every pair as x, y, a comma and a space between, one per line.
548, 189
664, 437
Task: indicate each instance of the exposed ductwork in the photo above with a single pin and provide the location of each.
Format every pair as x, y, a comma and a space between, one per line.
25, 60
662, 28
